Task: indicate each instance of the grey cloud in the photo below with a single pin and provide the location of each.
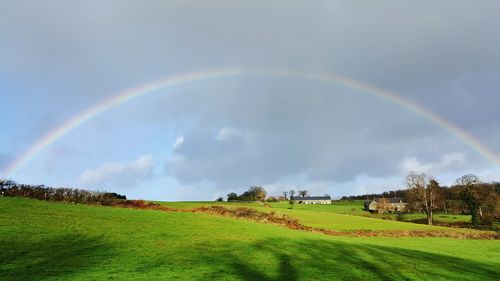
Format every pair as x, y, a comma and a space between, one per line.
329, 133
394, 44
442, 55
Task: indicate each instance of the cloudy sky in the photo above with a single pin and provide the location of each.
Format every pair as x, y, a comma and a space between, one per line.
206, 138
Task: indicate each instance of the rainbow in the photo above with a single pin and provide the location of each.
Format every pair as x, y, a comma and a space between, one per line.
193, 77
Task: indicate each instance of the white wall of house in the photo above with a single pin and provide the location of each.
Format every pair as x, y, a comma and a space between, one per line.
314, 201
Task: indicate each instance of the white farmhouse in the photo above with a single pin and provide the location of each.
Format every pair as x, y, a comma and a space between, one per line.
327, 199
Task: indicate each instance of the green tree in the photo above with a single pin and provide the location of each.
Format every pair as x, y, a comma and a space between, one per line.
257, 193
488, 197
232, 196
469, 194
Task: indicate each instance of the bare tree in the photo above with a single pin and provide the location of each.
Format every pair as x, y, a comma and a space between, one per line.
422, 193
303, 193
285, 193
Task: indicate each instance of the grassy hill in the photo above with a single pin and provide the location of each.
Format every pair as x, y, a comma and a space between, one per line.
337, 216
56, 241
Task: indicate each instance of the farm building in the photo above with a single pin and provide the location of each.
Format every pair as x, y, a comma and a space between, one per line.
383, 205
327, 199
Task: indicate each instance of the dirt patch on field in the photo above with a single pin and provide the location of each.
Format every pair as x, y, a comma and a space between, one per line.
252, 214
141, 204
412, 233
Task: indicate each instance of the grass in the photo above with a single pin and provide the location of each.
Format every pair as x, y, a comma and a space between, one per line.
55, 241
326, 216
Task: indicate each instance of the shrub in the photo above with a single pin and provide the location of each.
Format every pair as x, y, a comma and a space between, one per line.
272, 199
71, 195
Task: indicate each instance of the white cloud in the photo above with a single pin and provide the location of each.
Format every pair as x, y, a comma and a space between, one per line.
228, 132
445, 162
364, 184
178, 142
119, 174
490, 175
413, 164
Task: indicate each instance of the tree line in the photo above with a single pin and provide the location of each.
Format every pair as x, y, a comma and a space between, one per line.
386, 194
468, 195
258, 193
10, 188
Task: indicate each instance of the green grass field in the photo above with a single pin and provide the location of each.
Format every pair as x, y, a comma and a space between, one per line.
335, 216
56, 241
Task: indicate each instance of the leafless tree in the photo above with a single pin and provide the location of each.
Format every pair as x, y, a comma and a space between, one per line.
285, 193
422, 193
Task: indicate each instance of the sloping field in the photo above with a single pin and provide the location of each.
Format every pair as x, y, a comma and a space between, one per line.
322, 216
56, 241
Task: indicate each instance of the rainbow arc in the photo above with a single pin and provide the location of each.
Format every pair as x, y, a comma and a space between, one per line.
196, 77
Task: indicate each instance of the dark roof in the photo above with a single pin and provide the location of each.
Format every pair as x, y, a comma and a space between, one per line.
298, 198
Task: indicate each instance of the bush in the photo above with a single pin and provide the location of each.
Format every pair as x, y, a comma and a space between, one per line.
400, 217
488, 219
72, 195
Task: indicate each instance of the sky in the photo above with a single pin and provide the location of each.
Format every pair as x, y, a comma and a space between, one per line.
205, 138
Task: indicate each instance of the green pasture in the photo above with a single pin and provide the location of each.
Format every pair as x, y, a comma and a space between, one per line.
330, 216
56, 241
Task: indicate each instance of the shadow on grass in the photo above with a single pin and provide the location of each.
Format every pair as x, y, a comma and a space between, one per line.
285, 270
323, 260
60, 257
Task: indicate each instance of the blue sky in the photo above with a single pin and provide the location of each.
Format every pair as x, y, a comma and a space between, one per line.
205, 139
